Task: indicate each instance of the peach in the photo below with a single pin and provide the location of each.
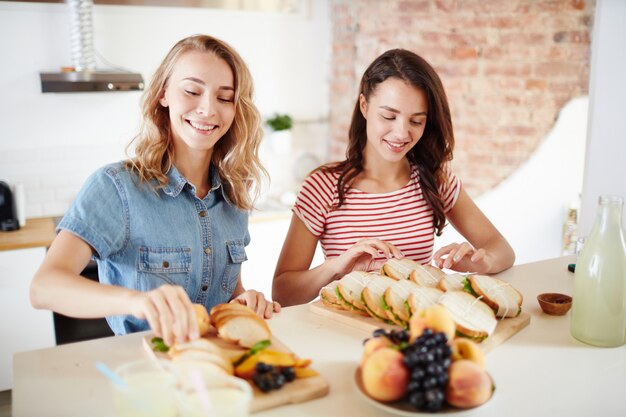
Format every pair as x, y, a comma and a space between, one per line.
435, 317
463, 348
372, 345
384, 375
469, 385
202, 319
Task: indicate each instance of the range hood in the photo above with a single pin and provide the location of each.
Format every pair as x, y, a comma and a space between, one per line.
83, 76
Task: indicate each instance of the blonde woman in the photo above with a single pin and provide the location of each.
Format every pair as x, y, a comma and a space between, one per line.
168, 227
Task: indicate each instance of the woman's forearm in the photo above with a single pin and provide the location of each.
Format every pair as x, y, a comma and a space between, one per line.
299, 287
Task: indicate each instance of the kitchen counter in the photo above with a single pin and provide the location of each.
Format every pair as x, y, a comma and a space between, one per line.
37, 232
541, 371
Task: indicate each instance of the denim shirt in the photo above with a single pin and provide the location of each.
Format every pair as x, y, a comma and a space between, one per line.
143, 239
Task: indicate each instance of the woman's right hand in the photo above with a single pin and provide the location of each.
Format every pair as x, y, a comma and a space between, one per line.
169, 313
362, 256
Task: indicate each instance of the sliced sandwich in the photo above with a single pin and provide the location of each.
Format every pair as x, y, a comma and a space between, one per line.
329, 297
372, 297
473, 318
452, 282
505, 300
423, 297
396, 297
349, 290
427, 275
399, 268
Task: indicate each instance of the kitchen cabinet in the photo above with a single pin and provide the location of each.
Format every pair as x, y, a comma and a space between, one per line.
22, 327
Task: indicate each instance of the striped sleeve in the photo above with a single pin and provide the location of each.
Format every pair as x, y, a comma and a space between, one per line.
314, 201
450, 191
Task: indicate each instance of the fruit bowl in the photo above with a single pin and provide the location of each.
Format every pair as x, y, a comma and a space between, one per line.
554, 304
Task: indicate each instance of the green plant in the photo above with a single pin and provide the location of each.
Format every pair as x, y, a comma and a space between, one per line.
280, 122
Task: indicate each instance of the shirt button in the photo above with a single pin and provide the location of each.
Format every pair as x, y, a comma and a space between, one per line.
202, 213
207, 251
205, 287
166, 264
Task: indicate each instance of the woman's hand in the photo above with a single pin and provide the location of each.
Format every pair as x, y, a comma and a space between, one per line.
169, 313
361, 256
257, 302
463, 257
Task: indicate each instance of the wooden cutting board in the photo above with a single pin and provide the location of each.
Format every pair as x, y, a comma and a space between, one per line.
504, 330
297, 391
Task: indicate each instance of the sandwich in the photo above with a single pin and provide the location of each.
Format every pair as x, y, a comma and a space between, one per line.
396, 297
423, 297
372, 297
452, 282
427, 275
349, 290
201, 352
399, 268
505, 300
328, 295
239, 324
473, 318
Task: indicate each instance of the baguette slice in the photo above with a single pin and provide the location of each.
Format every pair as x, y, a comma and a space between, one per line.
399, 268
372, 296
473, 318
427, 275
349, 290
201, 351
328, 295
452, 282
505, 300
423, 297
245, 330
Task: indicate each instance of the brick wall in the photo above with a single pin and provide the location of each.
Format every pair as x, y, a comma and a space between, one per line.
508, 67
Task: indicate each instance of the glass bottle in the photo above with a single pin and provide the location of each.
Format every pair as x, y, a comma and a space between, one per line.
599, 299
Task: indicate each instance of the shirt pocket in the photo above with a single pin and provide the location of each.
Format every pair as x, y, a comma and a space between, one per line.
236, 255
163, 265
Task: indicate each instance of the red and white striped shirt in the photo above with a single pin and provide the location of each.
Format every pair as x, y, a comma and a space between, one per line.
401, 217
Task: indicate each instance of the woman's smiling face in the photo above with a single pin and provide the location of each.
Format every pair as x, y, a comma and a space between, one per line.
200, 96
396, 116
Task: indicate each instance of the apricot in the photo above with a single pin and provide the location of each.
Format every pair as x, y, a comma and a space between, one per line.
202, 319
435, 317
384, 375
469, 385
463, 348
372, 345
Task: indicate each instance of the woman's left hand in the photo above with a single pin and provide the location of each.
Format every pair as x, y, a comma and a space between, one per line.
257, 302
463, 257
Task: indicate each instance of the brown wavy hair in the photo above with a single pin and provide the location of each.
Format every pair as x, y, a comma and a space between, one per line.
235, 155
432, 152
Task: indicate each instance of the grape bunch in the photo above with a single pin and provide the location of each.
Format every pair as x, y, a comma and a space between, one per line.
427, 359
268, 377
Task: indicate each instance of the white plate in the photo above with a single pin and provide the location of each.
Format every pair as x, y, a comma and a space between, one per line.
402, 408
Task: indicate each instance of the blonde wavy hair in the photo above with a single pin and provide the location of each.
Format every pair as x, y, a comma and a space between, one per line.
235, 155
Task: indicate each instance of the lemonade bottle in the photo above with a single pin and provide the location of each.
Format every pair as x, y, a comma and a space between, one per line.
599, 300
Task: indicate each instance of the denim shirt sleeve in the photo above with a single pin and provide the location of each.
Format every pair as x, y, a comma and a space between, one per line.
98, 215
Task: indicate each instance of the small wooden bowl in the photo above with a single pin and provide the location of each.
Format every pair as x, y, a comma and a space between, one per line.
555, 304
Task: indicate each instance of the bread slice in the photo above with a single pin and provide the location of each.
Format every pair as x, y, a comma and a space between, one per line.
328, 295
505, 300
349, 290
399, 268
201, 351
246, 330
423, 297
452, 282
427, 275
396, 297
372, 297
473, 318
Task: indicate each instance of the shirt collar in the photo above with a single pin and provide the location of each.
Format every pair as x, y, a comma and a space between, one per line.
176, 182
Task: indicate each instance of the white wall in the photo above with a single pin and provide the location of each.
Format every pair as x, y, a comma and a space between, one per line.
52, 142
605, 169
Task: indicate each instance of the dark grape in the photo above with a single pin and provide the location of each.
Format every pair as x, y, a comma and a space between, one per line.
416, 399
379, 332
433, 400
289, 373
262, 368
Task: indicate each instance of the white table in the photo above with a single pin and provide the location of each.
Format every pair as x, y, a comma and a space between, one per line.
541, 371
